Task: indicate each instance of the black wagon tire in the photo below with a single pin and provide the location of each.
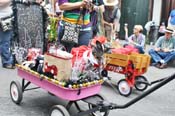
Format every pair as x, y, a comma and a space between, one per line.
141, 86
16, 93
100, 97
124, 88
58, 110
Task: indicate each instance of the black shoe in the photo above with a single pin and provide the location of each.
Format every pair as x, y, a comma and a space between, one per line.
157, 65
153, 64
163, 66
9, 66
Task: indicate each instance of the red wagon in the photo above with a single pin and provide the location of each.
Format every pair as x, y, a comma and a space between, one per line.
132, 66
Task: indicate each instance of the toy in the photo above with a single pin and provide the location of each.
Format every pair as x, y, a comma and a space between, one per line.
132, 66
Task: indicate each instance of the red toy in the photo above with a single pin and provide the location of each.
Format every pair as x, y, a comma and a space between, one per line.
132, 66
50, 69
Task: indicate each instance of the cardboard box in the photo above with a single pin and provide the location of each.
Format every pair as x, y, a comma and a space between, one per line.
60, 67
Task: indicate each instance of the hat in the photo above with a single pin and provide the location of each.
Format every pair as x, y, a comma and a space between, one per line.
172, 17
110, 2
169, 30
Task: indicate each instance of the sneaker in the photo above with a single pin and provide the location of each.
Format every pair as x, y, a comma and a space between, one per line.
9, 66
162, 61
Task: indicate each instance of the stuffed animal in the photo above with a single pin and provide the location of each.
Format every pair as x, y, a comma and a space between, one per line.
20, 54
50, 69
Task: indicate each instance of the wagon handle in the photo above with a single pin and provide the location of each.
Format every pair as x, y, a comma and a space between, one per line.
163, 82
104, 105
149, 91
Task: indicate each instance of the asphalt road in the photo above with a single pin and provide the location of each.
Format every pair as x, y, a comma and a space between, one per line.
38, 102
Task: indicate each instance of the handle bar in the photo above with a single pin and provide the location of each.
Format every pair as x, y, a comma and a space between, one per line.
146, 93
105, 106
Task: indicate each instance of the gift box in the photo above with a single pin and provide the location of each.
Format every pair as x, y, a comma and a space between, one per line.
60, 67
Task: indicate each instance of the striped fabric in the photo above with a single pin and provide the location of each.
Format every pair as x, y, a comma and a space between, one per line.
73, 15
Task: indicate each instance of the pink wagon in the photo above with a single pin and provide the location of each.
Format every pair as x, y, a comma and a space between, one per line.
30, 20
88, 94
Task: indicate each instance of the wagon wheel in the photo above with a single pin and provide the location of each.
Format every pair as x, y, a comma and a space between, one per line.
16, 93
98, 113
58, 110
124, 88
139, 85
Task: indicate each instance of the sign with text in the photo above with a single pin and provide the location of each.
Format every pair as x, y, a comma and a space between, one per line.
29, 25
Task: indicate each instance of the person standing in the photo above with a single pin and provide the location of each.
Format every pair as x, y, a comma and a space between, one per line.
164, 50
73, 10
6, 33
161, 29
95, 16
171, 20
110, 18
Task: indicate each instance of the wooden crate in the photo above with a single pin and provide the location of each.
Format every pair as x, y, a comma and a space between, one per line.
140, 61
117, 59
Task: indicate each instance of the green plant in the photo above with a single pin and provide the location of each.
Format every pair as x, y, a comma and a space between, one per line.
52, 29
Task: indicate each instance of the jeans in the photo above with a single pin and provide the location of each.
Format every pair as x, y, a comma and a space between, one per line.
157, 56
5, 40
84, 38
140, 49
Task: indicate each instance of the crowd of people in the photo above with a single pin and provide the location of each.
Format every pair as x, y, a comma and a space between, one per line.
96, 17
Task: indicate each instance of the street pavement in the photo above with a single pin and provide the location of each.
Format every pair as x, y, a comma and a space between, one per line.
38, 102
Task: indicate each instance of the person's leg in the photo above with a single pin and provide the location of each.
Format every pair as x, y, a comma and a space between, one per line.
84, 37
163, 61
169, 56
6, 56
60, 33
140, 49
94, 32
107, 33
154, 56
